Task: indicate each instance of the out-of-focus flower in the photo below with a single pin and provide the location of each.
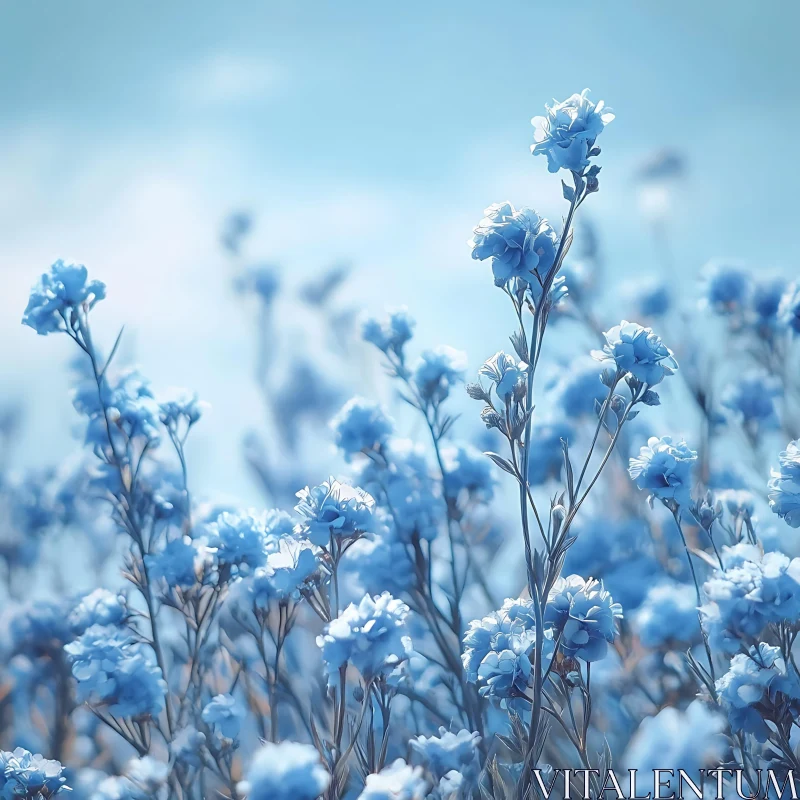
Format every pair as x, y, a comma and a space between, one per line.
381, 563
239, 541
334, 509
178, 562
285, 771
506, 374
579, 389
668, 616
765, 300
147, 773
751, 401
398, 781
372, 636
361, 426
784, 486
225, 714
449, 751
789, 309
498, 649
546, 458
664, 469
756, 688
112, 670
186, 746
638, 352
726, 287
261, 280
584, 614
25, 776
467, 469
652, 298
180, 405
567, 133
521, 244
59, 292
437, 371
391, 333
99, 607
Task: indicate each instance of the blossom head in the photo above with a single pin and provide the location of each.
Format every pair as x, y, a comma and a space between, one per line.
467, 469
99, 607
285, 771
334, 509
28, 776
498, 650
398, 781
756, 688
664, 469
567, 132
60, 292
178, 563
726, 288
391, 333
239, 541
180, 406
784, 486
437, 371
765, 301
449, 751
372, 636
667, 617
584, 614
506, 373
285, 572
521, 244
750, 400
225, 714
579, 390
638, 352
361, 426
789, 309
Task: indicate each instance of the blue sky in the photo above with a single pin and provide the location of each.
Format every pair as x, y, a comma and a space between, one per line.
374, 132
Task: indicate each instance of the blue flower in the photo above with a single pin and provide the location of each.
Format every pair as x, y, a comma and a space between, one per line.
398, 781
789, 309
521, 244
260, 279
638, 352
726, 287
187, 745
225, 714
361, 426
750, 400
765, 301
579, 389
58, 293
41, 628
177, 563
584, 615
391, 333
664, 469
784, 486
99, 607
498, 650
372, 636
668, 616
286, 570
467, 469
546, 458
239, 540
652, 298
112, 670
506, 374
180, 405
437, 371
334, 510
285, 771
25, 776
566, 135
758, 687
449, 751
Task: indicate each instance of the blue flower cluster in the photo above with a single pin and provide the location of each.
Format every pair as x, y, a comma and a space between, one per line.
25, 776
784, 486
334, 510
285, 771
664, 470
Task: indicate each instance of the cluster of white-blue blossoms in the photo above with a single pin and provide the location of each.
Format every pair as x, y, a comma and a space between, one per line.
355, 643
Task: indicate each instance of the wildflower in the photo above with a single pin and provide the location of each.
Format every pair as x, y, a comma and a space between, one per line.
506, 374
381, 562
334, 510
652, 299
638, 352
664, 469
41, 628
467, 469
285, 771
750, 400
372, 636
789, 309
449, 751
758, 687
391, 333
25, 776
579, 390
498, 650
58, 295
178, 562
286, 570
567, 133
726, 287
112, 670
99, 607
765, 300
180, 405
361, 426
583, 613
437, 371
398, 781
239, 540
784, 487
668, 616
521, 244
225, 714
